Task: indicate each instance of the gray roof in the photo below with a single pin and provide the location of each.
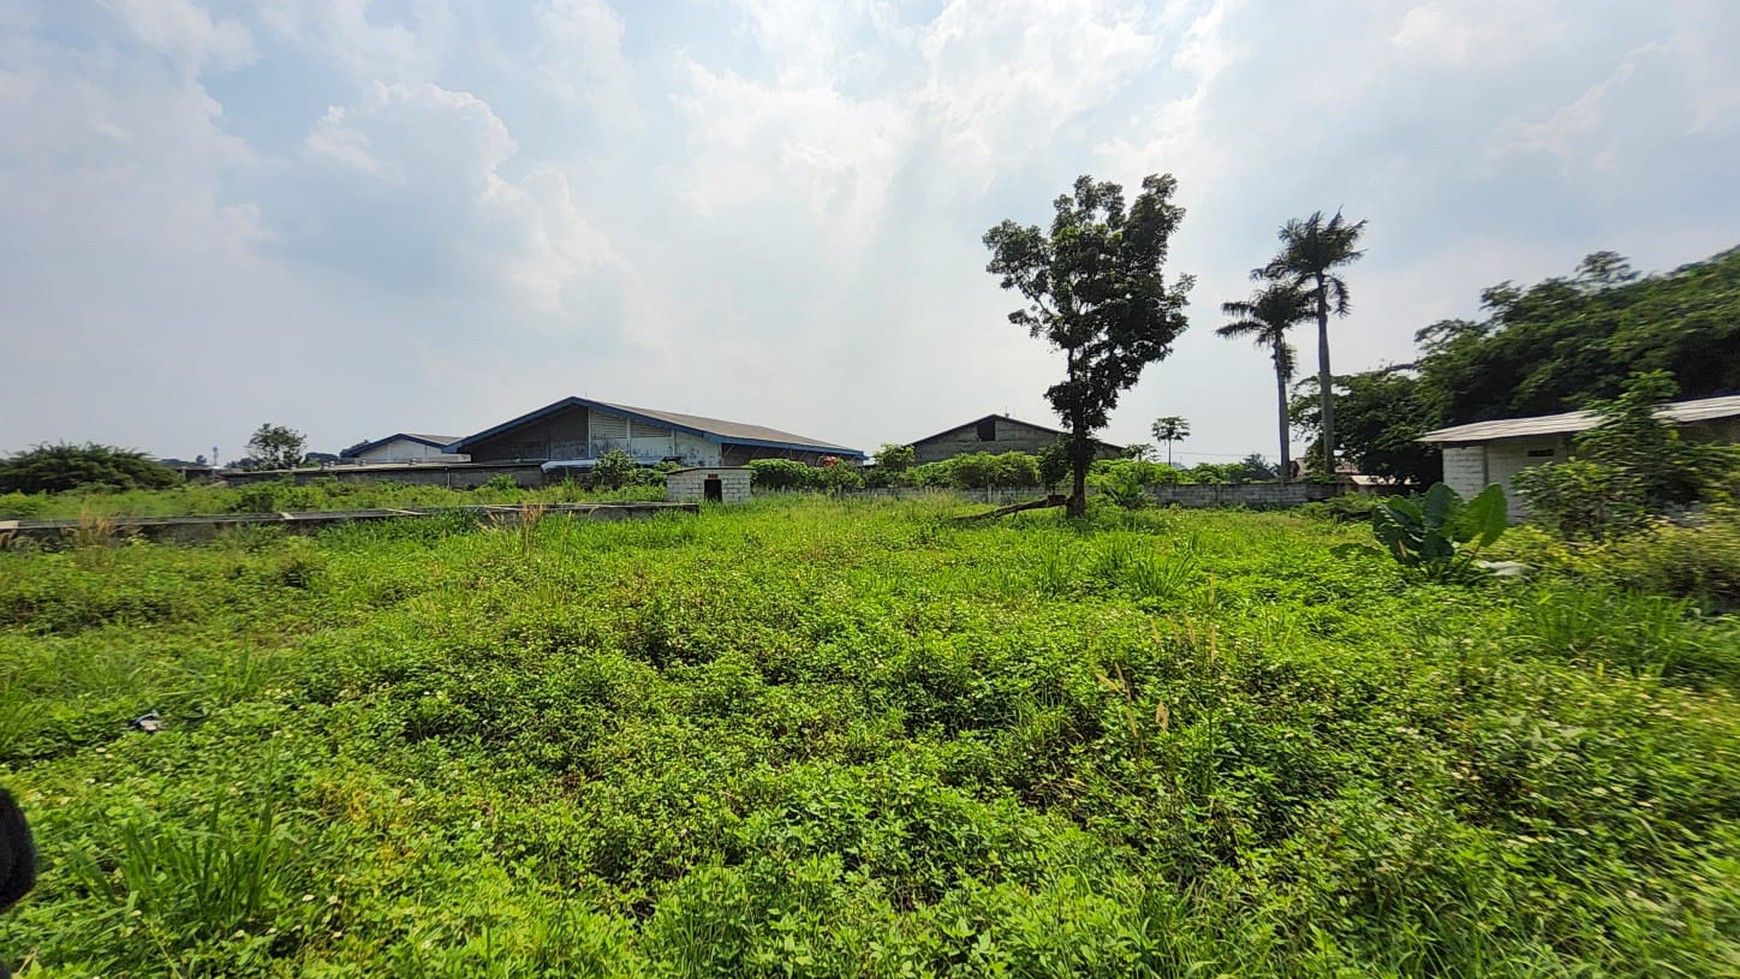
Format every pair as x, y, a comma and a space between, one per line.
1005, 418
723, 428
1680, 412
713, 429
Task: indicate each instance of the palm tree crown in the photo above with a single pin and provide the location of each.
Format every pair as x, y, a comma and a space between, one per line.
1311, 251
1266, 317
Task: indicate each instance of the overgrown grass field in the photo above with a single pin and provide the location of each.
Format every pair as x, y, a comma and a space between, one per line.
815, 738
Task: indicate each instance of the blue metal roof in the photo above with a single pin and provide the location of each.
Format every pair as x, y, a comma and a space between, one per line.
714, 430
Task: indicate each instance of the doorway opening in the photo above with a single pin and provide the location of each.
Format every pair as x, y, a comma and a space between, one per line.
713, 490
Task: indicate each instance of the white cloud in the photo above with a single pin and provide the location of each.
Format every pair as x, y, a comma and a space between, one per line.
1477, 32
344, 31
184, 30
419, 172
579, 50
1175, 140
1004, 79
1582, 131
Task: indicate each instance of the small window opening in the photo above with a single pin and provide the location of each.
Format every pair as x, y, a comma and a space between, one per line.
988, 430
1540, 453
713, 490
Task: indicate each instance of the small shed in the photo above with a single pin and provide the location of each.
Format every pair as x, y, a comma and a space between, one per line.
708, 484
1482, 454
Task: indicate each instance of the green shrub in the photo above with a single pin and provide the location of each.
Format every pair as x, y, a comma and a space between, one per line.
21, 506
784, 474
1699, 562
500, 483
1633, 466
614, 470
63, 466
1345, 508
1438, 536
841, 475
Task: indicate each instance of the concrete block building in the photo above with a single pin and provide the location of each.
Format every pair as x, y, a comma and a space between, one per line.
709, 484
1481, 454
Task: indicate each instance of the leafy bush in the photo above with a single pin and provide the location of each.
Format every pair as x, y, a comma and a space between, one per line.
1345, 508
1053, 463
784, 474
841, 475
614, 470
1633, 466
500, 483
63, 466
21, 506
1700, 562
895, 459
1575, 499
1438, 536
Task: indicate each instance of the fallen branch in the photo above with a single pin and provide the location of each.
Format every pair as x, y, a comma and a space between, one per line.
1050, 501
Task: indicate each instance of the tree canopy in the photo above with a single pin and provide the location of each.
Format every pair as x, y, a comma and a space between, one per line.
54, 468
1558, 345
277, 446
1094, 287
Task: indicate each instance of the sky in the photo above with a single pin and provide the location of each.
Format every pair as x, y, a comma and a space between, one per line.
358, 217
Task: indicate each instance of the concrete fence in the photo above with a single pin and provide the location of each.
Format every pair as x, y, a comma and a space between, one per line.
1257, 496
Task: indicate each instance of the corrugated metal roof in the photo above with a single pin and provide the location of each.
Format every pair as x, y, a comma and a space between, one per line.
435, 440
735, 431
712, 429
1680, 412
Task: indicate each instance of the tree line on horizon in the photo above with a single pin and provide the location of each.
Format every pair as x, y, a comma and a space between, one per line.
1094, 287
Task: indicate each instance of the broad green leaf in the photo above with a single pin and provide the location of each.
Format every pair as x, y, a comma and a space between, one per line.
1440, 509
1487, 515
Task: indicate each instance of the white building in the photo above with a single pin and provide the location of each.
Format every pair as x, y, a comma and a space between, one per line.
709, 484
402, 447
1483, 453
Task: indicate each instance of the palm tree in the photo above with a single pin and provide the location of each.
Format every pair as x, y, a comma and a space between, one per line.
1172, 428
1266, 317
1311, 251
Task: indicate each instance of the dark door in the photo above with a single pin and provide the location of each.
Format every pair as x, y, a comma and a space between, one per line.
713, 491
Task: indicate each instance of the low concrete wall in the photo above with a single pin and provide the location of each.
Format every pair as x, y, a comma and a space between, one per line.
1257, 496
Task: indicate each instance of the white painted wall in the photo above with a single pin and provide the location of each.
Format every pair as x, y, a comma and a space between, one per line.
697, 451
1465, 469
1469, 469
405, 450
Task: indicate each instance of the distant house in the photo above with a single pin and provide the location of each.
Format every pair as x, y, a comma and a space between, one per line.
1481, 454
401, 447
996, 434
573, 432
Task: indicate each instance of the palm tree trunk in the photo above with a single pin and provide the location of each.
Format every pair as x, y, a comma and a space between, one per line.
1324, 387
1281, 403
